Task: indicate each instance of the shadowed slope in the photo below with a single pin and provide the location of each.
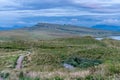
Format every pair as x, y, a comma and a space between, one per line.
52, 31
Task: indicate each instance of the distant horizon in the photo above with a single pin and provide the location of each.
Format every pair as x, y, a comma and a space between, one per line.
106, 27
17, 25
54, 23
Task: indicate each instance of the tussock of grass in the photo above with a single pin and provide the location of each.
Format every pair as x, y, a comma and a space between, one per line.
49, 56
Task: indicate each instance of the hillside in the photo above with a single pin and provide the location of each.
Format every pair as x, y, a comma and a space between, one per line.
52, 31
57, 52
81, 58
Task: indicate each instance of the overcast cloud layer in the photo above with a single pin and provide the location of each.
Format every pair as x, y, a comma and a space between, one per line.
80, 12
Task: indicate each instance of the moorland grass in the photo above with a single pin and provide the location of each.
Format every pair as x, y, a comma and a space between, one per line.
49, 55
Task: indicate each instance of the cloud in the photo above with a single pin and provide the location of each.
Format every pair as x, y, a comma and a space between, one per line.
94, 6
100, 6
13, 11
9, 4
74, 20
50, 12
110, 21
97, 1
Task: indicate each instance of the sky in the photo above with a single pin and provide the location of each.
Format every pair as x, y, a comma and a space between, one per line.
14, 13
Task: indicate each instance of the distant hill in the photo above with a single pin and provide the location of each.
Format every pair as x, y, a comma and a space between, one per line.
107, 27
51, 31
2, 28
10, 28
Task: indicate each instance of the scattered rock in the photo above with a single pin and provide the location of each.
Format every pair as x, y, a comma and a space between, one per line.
68, 66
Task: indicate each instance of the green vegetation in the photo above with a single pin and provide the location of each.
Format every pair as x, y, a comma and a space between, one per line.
91, 59
23, 77
4, 75
82, 62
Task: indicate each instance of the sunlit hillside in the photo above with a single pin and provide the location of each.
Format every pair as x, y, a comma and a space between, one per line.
80, 58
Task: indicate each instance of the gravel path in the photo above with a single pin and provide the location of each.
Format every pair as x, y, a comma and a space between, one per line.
19, 62
1, 78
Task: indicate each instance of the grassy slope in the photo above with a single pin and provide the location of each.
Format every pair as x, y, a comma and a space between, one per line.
48, 55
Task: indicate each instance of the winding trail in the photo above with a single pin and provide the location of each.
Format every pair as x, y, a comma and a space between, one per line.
20, 60
1, 78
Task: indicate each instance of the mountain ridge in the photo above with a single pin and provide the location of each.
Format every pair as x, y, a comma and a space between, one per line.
52, 31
